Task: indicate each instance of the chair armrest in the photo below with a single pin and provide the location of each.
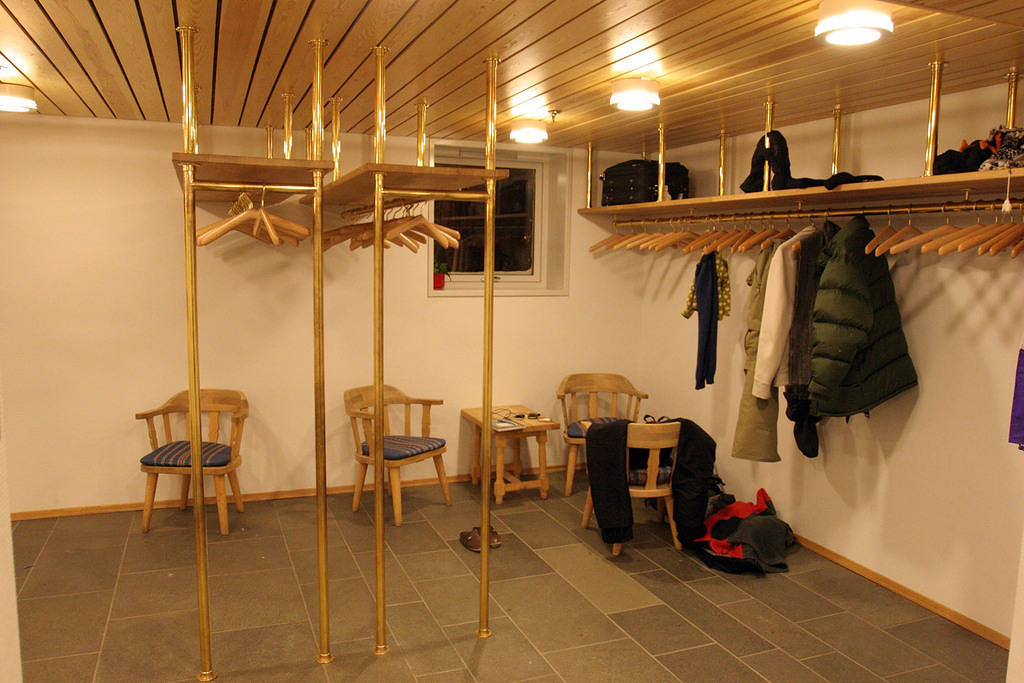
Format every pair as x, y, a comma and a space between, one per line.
365, 414
641, 394
162, 410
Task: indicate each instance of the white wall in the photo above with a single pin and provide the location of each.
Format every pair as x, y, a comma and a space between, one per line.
926, 491
94, 320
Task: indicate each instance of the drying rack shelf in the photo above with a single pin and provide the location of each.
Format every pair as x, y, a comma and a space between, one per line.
956, 187
352, 189
224, 168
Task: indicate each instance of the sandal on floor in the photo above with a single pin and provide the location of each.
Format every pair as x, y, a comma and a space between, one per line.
471, 539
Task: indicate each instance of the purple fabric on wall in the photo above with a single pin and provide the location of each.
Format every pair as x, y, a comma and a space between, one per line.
1017, 409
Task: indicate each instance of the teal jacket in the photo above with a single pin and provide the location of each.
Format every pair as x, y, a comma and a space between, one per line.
859, 357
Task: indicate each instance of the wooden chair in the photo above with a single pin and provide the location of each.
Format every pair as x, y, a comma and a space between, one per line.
175, 457
654, 481
399, 450
599, 395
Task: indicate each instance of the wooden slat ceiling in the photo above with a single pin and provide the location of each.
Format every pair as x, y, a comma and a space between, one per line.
716, 60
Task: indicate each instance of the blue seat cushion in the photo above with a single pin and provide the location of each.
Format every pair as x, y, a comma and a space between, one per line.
179, 454
576, 431
639, 477
401, 447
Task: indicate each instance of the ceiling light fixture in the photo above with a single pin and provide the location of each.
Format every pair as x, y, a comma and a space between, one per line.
17, 98
531, 132
853, 22
635, 94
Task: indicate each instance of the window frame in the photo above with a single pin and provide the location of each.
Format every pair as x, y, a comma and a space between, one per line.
460, 278
552, 219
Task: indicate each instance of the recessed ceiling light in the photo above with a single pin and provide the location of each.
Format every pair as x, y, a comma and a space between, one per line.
17, 98
635, 94
529, 132
853, 22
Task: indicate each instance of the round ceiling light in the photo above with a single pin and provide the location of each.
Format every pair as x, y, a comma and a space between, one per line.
17, 98
635, 94
852, 22
529, 132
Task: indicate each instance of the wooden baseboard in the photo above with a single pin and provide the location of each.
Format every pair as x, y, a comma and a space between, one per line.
957, 618
264, 495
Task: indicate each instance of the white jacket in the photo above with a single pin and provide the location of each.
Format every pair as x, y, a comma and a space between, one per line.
772, 364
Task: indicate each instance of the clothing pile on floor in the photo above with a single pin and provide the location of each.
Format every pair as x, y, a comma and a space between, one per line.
725, 534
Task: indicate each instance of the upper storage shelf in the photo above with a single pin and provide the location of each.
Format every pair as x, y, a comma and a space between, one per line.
356, 187
944, 188
225, 168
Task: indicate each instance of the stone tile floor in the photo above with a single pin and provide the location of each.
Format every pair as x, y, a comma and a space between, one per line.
100, 601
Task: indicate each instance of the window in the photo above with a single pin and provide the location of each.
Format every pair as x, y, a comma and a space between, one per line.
531, 213
514, 224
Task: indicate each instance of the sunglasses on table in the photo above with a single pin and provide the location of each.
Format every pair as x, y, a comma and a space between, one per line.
528, 416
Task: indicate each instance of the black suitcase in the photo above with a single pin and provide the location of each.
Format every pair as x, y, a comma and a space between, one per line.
637, 181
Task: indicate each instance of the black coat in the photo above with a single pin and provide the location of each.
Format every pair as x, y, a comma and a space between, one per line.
859, 356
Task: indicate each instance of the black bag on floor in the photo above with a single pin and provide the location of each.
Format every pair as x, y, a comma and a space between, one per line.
637, 181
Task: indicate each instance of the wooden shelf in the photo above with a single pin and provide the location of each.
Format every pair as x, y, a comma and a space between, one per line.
247, 170
944, 188
356, 187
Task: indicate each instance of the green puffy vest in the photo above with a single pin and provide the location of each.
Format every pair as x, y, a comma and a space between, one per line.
859, 358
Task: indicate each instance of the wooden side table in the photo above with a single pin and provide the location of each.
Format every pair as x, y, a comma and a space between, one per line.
508, 479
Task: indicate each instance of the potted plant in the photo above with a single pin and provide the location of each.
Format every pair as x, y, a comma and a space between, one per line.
440, 272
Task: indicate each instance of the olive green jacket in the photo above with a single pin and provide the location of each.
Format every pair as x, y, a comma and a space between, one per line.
757, 424
859, 356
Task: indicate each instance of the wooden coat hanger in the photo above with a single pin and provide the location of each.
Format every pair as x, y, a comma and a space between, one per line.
607, 241
1012, 234
947, 234
633, 239
741, 237
783, 235
677, 238
906, 232
709, 235
729, 238
756, 238
880, 237
257, 222
979, 236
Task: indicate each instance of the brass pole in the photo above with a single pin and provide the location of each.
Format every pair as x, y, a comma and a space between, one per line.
933, 116
270, 141
769, 115
421, 133
189, 129
378, 347
643, 149
484, 631
721, 162
287, 125
188, 93
250, 187
837, 123
315, 146
317, 102
308, 135
1011, 98
336, 137
661, 162
451, 195
590, 173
